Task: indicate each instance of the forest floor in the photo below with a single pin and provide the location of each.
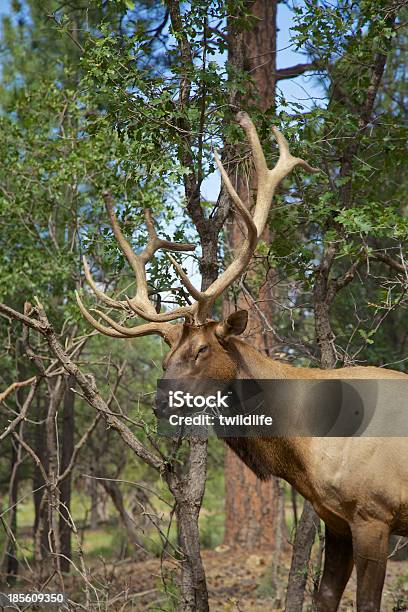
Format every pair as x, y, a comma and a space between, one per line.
238, 581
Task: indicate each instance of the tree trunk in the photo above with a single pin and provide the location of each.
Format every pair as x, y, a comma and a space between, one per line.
40, 527
306, 530
9, 561
250, 515
280, 538
93, 493
68, 425
302, 547
293, 497
113, 490
51, 502
251, 506
188, 491
194, 595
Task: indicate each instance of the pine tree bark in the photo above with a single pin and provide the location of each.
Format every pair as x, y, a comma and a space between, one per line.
251, 506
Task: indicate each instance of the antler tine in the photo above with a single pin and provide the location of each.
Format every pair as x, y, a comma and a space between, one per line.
140, 304
267, 181
119, 331
176, 313
245, 122
242, 209
195, 293
101, 328
136, 261
139, 330
156, 243
286, 157
100, 294
205, 299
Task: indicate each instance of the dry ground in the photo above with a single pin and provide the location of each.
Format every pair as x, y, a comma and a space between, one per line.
238, 581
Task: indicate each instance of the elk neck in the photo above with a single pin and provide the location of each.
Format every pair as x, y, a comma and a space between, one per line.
288, 458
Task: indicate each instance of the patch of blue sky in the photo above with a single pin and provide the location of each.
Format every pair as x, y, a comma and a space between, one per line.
4, 7
304, 90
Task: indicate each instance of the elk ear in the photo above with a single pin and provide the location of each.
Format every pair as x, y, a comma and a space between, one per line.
234, 325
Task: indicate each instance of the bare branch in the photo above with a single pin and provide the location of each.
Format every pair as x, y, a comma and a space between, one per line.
14, 386
391, 262
294, 71
93, 396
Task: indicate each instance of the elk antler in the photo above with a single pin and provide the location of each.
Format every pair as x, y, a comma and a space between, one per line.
267, 181
140, 304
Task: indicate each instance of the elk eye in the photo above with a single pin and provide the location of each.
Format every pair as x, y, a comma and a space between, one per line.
201, 350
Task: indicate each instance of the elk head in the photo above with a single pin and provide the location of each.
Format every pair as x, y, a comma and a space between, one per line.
199, 345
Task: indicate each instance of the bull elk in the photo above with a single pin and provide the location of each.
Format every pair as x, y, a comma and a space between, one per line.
358, 486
